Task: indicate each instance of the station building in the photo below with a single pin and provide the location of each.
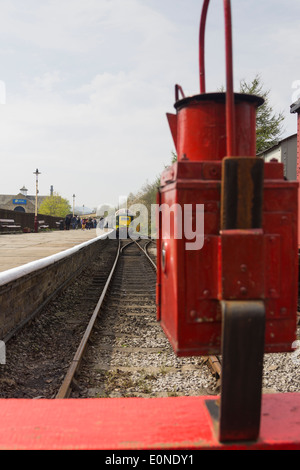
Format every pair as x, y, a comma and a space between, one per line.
284, 152
20, 202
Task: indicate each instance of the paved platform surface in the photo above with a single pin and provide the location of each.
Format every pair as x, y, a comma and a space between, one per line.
19, 249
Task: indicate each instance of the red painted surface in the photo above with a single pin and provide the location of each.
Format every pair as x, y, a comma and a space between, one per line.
172, 120
137, 423
189, 286
298, 170
201, 126
237, 117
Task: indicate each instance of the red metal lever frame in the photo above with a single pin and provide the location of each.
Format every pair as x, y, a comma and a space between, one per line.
230, 122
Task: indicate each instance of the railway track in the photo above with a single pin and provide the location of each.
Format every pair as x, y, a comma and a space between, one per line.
125, 352
98, 340
128, 354
38, 355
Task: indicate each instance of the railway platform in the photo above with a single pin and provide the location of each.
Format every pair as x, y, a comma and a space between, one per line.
19, 249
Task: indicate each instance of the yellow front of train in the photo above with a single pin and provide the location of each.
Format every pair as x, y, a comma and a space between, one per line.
123, 220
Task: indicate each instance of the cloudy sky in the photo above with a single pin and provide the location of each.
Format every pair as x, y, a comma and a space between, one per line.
88, 84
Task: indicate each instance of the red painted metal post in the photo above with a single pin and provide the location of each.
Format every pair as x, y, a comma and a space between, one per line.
202, 46
230, 120
204, 127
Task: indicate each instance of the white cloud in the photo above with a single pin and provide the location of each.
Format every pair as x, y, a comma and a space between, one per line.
113, 129
88, 84
106, 123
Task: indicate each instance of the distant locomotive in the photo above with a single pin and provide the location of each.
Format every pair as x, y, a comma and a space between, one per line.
123, 220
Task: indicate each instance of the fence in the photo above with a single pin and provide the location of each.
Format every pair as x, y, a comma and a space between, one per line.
26, 220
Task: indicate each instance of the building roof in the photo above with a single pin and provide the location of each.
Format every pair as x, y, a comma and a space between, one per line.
295, 107
278, 143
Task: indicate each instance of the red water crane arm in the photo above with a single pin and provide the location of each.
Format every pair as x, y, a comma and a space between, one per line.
230, 126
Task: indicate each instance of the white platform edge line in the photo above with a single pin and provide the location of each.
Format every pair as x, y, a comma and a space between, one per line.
20, 271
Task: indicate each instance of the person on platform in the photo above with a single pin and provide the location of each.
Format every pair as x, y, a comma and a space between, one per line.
67, 222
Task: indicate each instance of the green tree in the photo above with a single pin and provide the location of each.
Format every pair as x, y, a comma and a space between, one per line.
268, 123
147, 195
55, 205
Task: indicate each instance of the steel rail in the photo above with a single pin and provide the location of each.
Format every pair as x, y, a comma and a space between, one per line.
146, 254
127, 244
65, 389
213, 362
214, 365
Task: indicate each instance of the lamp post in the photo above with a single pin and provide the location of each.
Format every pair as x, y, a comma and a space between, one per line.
36, 173
73, 205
